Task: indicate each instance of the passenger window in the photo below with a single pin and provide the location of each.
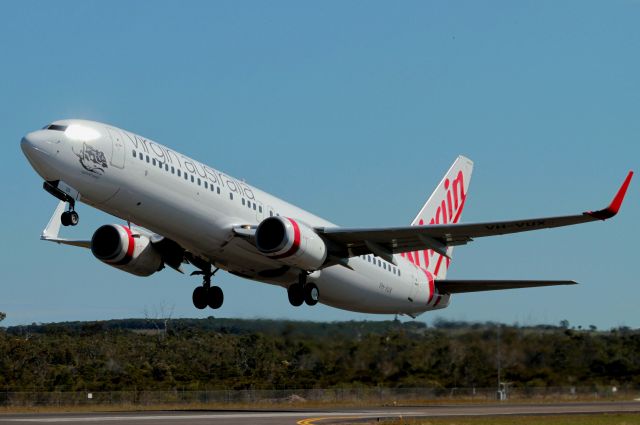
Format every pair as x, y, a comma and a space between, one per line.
140, 155
218, 190
186, 176
254, 206
270, 213
199, 181
206, 185
242, 201
192, 179
173, 169
179, 173
166, 167
260, 208
134, 153
147, 159
231, 195
153, 161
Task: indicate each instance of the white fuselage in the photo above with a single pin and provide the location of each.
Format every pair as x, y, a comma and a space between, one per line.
197, 206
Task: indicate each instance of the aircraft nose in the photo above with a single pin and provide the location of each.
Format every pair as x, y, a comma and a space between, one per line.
38, 142
29, 144
38, 149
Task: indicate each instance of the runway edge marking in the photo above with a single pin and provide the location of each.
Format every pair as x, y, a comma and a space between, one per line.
312, 421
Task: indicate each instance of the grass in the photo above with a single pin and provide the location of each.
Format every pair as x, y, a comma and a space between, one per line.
591, 419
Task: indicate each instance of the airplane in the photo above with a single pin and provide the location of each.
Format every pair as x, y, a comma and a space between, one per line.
186, 212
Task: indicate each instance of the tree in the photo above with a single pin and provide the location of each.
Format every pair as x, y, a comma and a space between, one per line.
2, 316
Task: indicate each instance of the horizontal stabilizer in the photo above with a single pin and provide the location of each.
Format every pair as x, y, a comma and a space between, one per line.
460, 286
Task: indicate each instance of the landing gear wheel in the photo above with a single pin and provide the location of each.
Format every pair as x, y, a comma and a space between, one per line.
206, 295
73, 218
69, 218
65, 219
311, 294
296, 295
200, 297
215, 297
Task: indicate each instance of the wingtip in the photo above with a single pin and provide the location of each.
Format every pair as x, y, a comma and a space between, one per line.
616, 202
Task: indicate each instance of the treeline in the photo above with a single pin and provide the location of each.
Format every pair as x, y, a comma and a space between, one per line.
267, 354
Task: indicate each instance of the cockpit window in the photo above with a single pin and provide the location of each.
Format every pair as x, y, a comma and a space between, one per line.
56, 127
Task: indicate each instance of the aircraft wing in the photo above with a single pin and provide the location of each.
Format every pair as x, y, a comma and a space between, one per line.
447, 286
385, 242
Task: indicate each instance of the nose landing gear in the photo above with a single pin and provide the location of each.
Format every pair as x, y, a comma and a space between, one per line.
207, 295
69, 218
68, 195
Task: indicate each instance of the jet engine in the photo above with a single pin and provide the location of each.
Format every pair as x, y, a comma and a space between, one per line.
129, 251
291, 242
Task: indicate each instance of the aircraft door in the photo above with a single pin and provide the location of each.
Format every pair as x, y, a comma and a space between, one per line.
117, 142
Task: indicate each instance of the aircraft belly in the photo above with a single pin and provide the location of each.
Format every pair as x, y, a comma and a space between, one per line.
190, 224
356, 291
240, 257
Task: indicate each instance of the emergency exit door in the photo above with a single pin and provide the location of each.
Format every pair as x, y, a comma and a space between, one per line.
117, 153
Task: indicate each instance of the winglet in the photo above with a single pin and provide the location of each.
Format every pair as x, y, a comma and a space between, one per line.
53, 227
614, 206
51, 232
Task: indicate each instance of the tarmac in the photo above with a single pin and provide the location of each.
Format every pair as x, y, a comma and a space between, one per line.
321, 416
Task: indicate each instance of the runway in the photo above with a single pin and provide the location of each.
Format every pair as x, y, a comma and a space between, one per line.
320, 416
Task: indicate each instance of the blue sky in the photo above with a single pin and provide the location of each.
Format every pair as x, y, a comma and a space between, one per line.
352, 110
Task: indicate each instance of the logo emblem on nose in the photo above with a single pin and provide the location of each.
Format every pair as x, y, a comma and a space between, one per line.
92, 159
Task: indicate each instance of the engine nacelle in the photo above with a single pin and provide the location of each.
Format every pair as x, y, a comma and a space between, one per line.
117, 246
291, 242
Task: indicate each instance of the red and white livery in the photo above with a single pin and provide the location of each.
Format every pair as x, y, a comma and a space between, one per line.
188, 212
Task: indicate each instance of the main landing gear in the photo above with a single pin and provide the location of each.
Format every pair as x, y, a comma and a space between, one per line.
207, 295
303, 292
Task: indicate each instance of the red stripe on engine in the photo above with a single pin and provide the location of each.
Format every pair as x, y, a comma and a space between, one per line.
131, 244
296, 241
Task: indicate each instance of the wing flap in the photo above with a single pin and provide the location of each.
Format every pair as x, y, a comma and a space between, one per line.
462, 286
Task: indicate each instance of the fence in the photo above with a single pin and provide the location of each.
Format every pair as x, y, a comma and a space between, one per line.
364, 395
